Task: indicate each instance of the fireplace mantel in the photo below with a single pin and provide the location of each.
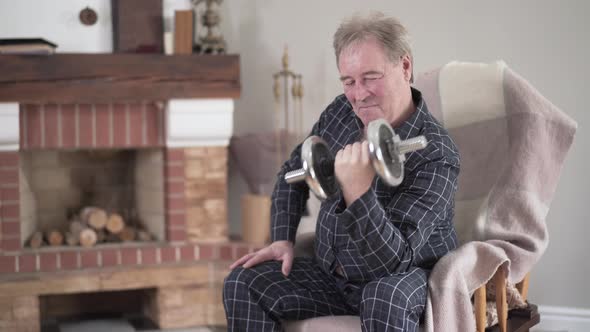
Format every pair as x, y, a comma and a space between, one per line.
95, 78
199, 89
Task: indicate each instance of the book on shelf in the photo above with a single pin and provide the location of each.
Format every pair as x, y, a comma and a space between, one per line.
26, 46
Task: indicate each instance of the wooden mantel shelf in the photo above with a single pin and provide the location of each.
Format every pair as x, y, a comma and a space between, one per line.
95, 78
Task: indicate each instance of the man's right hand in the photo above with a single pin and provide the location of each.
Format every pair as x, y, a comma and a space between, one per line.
278, 251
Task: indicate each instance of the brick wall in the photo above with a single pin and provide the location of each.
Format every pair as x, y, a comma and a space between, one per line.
91, 125
206, 193
114, 256
10, 233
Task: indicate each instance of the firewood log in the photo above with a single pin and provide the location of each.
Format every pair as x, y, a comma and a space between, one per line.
36, 240
127, 234
54, 237
87, 237
81, 233
94, 217
115, 223
71, 239
76, 226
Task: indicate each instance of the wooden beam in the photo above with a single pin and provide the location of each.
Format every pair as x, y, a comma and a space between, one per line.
106, 280
74, 78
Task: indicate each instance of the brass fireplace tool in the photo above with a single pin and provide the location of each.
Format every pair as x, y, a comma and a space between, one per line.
289, 114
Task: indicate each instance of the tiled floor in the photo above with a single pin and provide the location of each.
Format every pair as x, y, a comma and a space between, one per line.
120, 325
117, 325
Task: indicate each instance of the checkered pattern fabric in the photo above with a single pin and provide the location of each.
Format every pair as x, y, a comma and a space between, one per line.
261, 297
372, 257
387, 230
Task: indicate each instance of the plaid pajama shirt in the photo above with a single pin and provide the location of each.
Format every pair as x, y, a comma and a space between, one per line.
371, 258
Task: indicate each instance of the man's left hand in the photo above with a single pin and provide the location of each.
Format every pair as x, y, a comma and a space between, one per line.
354, 171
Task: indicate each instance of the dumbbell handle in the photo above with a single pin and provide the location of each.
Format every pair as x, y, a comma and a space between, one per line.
326, 168
412, 144
295, 175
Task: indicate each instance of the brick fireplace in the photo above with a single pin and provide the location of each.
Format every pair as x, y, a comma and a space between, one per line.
164, 160
180, 192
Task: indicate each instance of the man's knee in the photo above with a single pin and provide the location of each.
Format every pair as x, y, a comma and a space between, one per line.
240, 280
237, 282
384, 294
406, 293
393, 303
238, 275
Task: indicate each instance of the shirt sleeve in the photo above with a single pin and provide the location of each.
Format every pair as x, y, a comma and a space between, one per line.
288, 200
387, 238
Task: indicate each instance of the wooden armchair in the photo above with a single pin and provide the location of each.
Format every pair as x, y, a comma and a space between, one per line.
510, 158
512, 143
517, 320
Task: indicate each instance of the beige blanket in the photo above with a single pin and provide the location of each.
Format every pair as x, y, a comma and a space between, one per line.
513, 143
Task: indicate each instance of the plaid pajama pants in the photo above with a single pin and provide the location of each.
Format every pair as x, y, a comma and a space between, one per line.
259, 298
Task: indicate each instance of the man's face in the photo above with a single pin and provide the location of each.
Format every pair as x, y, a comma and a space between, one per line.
375, 86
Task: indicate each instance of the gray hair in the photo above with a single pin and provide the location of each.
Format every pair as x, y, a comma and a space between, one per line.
388, 31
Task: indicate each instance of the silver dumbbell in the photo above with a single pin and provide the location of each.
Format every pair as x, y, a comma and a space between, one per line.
386, 149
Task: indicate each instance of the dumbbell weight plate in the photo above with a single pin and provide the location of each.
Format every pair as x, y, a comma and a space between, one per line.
318, 161
389, 166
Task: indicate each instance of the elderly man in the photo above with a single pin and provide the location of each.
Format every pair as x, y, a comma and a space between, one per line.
375, 244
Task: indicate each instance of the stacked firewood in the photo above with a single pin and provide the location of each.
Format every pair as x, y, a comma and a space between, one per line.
92, 225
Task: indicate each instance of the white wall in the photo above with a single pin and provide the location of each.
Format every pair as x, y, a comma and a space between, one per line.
58, 22
545, 41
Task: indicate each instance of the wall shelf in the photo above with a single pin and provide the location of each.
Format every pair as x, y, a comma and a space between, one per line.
95, 78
